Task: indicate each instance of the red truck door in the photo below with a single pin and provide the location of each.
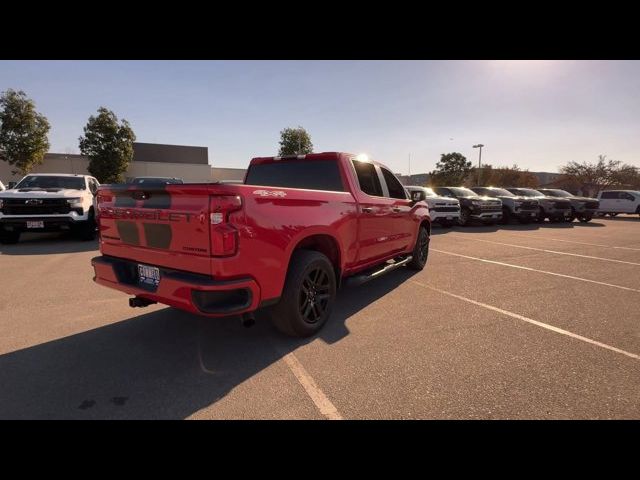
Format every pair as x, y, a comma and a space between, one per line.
384, 224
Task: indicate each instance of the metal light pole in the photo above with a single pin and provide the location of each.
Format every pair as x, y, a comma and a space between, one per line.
479, 145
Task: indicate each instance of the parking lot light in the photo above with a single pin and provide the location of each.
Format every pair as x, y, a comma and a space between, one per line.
479, 145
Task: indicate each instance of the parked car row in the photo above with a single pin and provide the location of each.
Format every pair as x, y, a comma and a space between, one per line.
491, 205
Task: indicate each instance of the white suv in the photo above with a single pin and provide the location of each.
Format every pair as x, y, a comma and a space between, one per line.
442, 210
49, 202
613, 202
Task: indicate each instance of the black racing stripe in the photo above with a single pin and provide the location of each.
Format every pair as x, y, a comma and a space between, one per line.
128, 232
158, 235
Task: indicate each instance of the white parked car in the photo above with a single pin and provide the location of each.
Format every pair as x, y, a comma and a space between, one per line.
442, 210
49, 202
613, 202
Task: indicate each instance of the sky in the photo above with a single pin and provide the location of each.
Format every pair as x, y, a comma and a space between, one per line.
536, 114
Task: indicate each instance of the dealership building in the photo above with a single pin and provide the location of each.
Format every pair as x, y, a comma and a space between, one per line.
149, 159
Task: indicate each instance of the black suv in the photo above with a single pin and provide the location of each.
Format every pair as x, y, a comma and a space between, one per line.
554, 208
582, 208
473, 206
523, 209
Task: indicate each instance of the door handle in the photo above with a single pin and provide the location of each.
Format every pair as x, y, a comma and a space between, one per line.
367, 210
396, 209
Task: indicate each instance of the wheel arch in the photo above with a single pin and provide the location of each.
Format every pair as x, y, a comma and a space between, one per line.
322, 242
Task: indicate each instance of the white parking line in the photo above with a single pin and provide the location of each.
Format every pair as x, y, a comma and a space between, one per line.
530, 320
536, 270
573, 241
318, 397
557, 253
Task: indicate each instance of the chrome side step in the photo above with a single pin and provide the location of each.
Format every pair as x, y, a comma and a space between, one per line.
362, 278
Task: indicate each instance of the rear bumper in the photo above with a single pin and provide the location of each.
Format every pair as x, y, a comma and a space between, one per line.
195, 293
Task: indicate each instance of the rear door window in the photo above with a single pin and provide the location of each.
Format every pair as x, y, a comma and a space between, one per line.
368, 178
396, 190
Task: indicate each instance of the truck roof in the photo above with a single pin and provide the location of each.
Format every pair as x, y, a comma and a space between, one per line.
318, 156
57, 175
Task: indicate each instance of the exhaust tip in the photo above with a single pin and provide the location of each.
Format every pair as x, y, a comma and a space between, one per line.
248, 320
140, 302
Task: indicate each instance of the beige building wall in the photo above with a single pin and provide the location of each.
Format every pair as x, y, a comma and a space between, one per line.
56, 163
227, 173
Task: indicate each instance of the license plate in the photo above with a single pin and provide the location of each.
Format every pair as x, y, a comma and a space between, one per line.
148, 275
35, 224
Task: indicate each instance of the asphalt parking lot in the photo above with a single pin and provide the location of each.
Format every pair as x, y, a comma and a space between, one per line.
534, 321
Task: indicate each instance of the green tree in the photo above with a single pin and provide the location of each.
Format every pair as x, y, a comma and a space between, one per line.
109, 146
605, 173
23, 132
452, 169
503, 177
295, 141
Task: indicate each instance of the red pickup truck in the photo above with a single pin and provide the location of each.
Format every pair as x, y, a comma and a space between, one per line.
285, 240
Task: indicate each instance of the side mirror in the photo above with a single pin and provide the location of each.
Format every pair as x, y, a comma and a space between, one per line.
10, 185
418, 196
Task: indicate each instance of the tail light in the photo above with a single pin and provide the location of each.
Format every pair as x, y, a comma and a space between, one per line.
224, 236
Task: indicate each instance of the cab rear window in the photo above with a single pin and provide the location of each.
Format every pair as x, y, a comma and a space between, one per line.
307, 174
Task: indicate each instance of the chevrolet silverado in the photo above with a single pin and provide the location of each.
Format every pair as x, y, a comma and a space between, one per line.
285, 240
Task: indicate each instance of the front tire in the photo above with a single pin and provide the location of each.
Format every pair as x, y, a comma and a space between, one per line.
420, 251
506, 216
464, 219
308, 296
87, 230
585, 219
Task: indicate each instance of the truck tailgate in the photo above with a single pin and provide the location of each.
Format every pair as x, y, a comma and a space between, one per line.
162, 225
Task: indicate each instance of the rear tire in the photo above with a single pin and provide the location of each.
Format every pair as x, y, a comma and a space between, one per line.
420, 252
585, 219
308, 295
9, 238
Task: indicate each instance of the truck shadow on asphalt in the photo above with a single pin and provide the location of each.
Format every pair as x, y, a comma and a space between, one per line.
478, 228
166, 364
45, 244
